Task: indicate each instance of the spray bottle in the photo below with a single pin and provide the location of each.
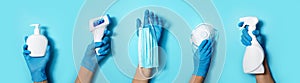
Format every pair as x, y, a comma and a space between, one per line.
37, 43
97, 27
254, 54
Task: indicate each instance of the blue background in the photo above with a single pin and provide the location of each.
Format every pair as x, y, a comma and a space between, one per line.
279, 28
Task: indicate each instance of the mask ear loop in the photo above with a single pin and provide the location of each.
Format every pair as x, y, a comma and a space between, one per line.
140, 43
153, 29
155, 37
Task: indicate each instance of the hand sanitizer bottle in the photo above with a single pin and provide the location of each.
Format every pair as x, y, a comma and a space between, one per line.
37, 43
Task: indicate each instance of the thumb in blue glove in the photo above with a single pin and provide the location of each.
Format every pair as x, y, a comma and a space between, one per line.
201, 65
246, 38
91, 59
36, 65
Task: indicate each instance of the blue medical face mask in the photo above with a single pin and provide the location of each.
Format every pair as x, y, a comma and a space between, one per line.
148, 48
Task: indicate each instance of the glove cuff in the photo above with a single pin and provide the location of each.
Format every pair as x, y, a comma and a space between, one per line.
38, 76
89, 65
202, 69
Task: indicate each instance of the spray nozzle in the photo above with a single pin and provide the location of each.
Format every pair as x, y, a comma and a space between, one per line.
250, 21
36, 28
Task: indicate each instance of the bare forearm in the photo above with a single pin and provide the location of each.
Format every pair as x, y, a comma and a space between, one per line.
266, 77
142, 75
84, 76
197, 79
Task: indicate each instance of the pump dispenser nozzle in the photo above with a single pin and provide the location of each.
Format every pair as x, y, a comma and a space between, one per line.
36, 28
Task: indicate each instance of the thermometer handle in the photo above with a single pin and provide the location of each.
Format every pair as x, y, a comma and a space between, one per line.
98, 34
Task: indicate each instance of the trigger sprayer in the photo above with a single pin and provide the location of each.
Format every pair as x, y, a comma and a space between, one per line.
254, 54
97, 27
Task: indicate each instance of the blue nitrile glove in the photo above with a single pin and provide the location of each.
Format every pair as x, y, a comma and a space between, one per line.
204, 51
246, 38
36, 65
91, 59
155, 20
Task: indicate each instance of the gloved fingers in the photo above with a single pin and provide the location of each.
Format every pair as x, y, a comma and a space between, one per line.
104, 52
208, 52
151, 17
47, 55
104, 41
160, 22
25, 47
255, 32
246, 39
246, 42
241, 24
245, 35
246, 27
208, 55
207, 45
105, 38
103, 48
200, 47
146, 18
107, 33
260, 39
98, 44
138, 25
25, 38
26, 52
155, 20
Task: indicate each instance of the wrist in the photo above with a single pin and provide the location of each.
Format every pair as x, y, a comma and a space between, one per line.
38, 76
90, 62
202, 69
142, 73
91, 66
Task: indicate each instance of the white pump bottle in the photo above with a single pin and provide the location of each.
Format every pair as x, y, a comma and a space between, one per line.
37, 43
254, 54
97, 27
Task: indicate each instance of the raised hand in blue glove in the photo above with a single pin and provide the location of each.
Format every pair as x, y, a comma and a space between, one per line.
201, 64
246, 38
151, 18
36, 65
91, 59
